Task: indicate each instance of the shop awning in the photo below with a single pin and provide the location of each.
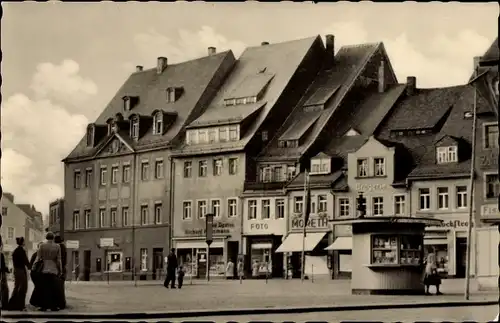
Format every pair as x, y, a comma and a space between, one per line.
341, 243
435, 241
197, 244
293, 242
262, 246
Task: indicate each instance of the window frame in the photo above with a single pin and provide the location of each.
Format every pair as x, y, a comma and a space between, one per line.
158, 123
199, 214
187, 169
187, 205
362, 164
428, 199
443, 195
87, 218
298, 204
233, 165
125, 216
217, 214
279, 204
113, 212
263, 207
103, 173
486, 139
102, 217
486, 185
252, 209
144, 170
88, 177
217, 166
344, 206
158, 210
77, 179
376, 168
447, 154
229, 206
114, 174
76, 220
126, 173
461, 195
144, 214
322, 203
400, 204
202, 168
378, 202
159, 173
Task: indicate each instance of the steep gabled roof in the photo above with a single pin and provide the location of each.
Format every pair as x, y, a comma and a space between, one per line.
281, 60
197, 79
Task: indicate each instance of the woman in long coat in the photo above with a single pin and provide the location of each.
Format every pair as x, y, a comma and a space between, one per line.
20, 263
431, 276
35, 278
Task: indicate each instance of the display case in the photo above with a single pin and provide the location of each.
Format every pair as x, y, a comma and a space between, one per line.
396, 250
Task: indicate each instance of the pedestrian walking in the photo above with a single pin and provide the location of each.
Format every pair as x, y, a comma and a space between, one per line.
4, 287
20, 262
62, 277
230, 269
171, 269
36, 273
180, 276
49, 254
431, 276
240, 268
255, 269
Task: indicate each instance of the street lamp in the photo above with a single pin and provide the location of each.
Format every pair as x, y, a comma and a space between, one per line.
209, 228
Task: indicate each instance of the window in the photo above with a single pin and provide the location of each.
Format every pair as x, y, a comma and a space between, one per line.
280, 208
232, 208
144, 171
443, 198
379, 166
144, 214
278, 174
233, 133
158, 208
378, 206
98, 265
223, 134
90, 136
217, 167
399, 204
202, 168
202, 136
128, 263
298, 204
362, 167
87, 219
77, 179
461, 196
126, 174
88, 177
216, 208
447, 154
144, 259
11, 233
265, 174
102, 218
290, 171
491, 136
211, 136
76, 220
313, 205
159, 169
425, 198
202, 209
125, 218
344, 206
492, 186
114, 261
186, 210
252, 209
134, 128
233, 166
113, 217
322, 203
126, 103
158, 124
188, 166
4, 211
114, 174
103, 174
266, 209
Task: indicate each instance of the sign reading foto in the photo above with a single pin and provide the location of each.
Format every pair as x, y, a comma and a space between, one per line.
264, 227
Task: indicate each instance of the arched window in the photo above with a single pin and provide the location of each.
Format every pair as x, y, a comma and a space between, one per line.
90, 135
158, 123
134, 127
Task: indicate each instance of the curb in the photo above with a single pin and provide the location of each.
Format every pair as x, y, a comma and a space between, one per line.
239, 312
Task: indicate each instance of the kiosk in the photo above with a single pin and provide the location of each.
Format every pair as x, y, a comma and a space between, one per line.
387, 254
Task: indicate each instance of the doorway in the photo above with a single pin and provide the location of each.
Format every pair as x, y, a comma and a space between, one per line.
157, 263
202, 263
461, 257
86, 265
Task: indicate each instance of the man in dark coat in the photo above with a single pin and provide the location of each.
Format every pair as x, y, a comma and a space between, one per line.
171, 269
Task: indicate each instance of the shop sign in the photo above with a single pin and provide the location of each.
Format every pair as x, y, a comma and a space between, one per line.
217, 228
370, 187
490, 210
314, 223
265, 227
453, 224
488, 160
107, 242
72, 244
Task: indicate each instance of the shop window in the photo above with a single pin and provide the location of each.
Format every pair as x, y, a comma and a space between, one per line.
399, 204
424, 199
98, 265
443, 198
461, 197
363, 167
144, 259
397, 250
115, 261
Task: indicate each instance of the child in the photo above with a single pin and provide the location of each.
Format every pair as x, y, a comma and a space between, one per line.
180, 276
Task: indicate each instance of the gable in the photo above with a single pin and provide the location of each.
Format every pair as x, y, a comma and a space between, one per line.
446, 141
114, 146
372, 147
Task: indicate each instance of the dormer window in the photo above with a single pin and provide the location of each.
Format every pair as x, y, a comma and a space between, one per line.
320, 166
288, 143
158, 123
447, 154
173, 94
134, 128
126, 103
90, 136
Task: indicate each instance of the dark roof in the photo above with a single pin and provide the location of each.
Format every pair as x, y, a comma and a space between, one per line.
461, 169
227, 115
329, 88
281, 60
252, 85
195, 77
492, 53
301, 125
316, 181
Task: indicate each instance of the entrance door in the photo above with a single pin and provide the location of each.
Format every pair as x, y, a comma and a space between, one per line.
86, 265
461, 257
202, 263
157, 262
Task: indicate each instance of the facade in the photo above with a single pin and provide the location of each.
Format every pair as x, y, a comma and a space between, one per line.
118, 195
56, 217
34, 228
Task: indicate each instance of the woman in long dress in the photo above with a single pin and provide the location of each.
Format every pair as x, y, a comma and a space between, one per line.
17, 301
35, 278
431, 276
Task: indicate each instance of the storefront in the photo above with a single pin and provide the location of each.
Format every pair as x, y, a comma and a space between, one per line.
262, 238
342, 251
190, 244
487, 239
449, 242
317, 239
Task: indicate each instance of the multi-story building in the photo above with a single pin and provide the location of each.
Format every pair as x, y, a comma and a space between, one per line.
34, 228
56, 217
118, 178
211, 167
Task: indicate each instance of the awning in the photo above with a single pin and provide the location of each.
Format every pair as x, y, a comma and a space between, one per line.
262, 246
341, 243
197, 244
435, 241
293, 242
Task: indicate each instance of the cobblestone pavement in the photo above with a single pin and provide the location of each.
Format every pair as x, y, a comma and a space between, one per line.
123, 297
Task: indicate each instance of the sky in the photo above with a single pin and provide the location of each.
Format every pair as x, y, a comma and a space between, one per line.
63, 62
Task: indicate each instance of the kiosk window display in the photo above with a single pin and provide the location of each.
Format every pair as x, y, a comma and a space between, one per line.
390, 250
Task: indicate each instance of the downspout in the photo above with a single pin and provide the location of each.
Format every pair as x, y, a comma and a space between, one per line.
134, 196
171, 203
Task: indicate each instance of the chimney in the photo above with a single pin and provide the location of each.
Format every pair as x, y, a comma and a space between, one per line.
381, 77
477, 59
411, 85
138, 68
330, 44
264, 43
162, 64
211, 51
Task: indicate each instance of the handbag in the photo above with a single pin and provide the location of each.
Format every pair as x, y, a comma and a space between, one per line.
37, 267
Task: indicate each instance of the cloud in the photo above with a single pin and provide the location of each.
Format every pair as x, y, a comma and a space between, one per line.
39, 131
443, 61
189, 45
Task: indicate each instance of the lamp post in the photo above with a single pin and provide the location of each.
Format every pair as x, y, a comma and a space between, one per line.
209, 228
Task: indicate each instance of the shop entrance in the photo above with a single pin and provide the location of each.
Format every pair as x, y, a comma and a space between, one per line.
86, 265
157, 263
461, 257
202, 264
